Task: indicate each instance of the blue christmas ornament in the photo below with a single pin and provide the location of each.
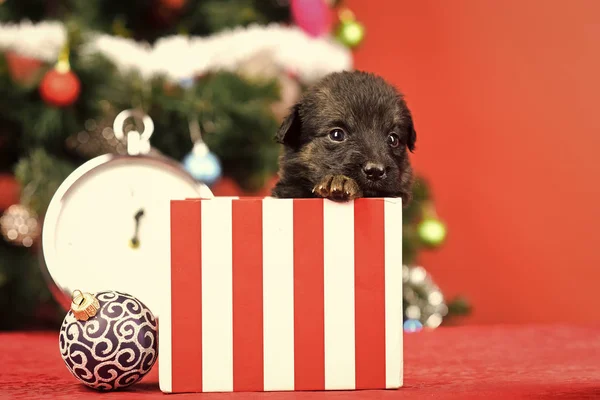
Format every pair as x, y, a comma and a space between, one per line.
186, 83
202, 164
412, 325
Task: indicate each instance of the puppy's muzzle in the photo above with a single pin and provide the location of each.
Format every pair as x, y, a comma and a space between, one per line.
374, 171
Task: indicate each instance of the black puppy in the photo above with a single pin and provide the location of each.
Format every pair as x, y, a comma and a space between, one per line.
347, 138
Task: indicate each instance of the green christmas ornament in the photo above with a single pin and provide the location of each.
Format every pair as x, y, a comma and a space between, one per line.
349, 32
432, 232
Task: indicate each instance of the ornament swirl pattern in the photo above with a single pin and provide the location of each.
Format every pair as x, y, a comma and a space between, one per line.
113, 349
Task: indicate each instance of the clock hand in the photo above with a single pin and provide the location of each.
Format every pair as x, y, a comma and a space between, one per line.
135, 242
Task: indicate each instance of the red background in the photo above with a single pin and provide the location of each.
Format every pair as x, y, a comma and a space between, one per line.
505, 97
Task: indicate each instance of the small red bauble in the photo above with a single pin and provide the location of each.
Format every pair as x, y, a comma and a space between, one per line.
10, 191
173, 4
21, 68
60, 89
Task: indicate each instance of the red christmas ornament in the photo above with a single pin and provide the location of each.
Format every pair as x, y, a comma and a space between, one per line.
60, 87
173, 4
22, 69
10, 191
165, 13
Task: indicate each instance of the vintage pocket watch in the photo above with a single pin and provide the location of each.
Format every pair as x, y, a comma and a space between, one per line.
108, 225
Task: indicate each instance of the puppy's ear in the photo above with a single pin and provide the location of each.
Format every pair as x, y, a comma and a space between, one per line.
412, 135
289, 131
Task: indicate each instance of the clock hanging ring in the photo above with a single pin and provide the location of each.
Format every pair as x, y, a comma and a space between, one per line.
108, 225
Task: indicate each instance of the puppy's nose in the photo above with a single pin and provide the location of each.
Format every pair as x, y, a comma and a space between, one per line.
374, 171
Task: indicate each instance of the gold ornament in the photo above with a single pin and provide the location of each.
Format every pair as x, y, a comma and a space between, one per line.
19, 225
263, 66
84, 305
97, 137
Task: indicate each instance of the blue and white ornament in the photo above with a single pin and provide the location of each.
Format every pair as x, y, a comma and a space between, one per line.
108, 341
186, 83
412, 326
202, 164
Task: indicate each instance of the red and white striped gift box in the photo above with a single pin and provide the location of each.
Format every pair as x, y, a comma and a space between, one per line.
283, 294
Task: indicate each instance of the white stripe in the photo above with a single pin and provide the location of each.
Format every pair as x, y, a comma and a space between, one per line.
338, 219
278, 294
217, 297
165, 377
393, 294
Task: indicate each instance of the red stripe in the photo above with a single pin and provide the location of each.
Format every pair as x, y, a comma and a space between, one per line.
369, 256
309, 331
247, 295
186, 296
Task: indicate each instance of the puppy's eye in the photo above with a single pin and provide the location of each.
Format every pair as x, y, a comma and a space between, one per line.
393, 140
337, 135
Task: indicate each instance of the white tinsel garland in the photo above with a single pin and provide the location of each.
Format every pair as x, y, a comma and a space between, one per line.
181, 57
42, 41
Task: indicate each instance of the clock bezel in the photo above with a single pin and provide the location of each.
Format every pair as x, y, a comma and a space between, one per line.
48, 255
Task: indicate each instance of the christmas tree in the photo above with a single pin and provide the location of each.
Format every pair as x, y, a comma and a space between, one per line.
229, 68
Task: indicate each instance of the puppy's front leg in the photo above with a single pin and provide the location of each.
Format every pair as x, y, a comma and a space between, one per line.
338, 187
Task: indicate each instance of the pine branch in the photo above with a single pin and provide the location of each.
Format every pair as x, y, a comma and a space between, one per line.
17, 10
40, 175
23, 291
146, 19
235, 118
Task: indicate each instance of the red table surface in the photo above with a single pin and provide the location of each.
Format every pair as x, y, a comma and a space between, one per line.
491, 362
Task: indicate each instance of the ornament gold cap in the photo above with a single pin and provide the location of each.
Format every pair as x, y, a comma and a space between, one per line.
62, 65
84, 305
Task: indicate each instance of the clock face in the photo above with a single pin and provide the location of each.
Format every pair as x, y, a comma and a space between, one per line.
111, 228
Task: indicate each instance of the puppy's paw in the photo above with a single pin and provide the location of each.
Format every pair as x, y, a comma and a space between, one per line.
338, 188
